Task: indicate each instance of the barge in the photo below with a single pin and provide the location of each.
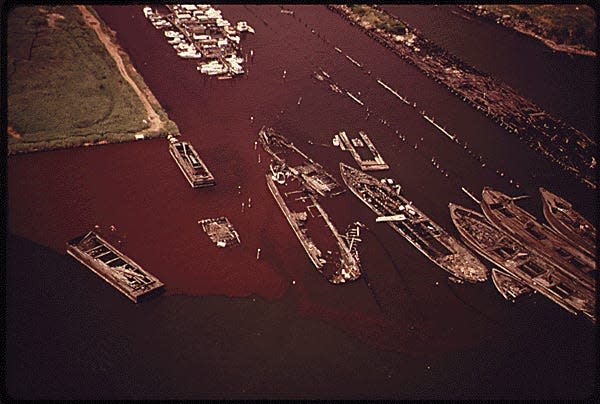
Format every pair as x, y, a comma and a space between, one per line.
312, 174
190, 164
502, 211
418, 229
526, 266
326, 249
114, 267
568, 222
363, 151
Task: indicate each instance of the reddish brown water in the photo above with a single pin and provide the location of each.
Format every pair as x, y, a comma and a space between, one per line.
410, 308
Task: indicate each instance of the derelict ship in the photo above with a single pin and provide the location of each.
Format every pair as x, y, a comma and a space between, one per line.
428, 237
310, 172
568, 222
527, 267
320, 239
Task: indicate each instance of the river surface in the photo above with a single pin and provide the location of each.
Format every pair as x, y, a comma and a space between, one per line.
234, 326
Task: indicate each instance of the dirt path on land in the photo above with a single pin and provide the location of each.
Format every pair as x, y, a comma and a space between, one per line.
113, 50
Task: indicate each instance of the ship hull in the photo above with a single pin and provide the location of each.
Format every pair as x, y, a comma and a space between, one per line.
527, 267
198, 176
312, 174
311, 225
520, 225
114, 267
420, 231
570, 224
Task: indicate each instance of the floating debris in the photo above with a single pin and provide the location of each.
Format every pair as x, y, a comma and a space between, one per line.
220, 231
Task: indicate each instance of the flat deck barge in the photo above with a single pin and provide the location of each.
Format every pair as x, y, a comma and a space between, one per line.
114, 267
568, 222
528, 267
311, 173
502, 211
326, 249
190, 164
363, 151
418, 229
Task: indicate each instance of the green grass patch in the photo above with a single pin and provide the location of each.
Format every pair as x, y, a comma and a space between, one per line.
64, 89
570, 24
371, 17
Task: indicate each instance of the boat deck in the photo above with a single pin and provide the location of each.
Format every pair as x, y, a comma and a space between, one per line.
528, 267
114, 267
191, 165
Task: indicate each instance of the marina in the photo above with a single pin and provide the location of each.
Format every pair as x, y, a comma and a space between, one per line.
114, 267
199, 31
419, 230
328, 252
190, 164
528, 267
569, 223
502, 211
363, 151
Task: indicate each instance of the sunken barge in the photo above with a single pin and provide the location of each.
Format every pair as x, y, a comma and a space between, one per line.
424, 234
526, 267
190, 164
114, 267
327, 250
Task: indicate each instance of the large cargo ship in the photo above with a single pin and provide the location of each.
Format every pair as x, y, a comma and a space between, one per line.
326, 249
114, 267
190, 164
424, 234
568, 222
502, 211
528, 267
312, 174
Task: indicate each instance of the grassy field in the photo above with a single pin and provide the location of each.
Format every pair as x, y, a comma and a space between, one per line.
371, 17
64, 89
569, 24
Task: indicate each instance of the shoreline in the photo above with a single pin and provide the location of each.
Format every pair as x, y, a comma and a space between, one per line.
528, 29
159, 124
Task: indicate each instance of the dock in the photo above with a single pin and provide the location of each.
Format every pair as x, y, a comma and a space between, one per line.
363, 151
114, 267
